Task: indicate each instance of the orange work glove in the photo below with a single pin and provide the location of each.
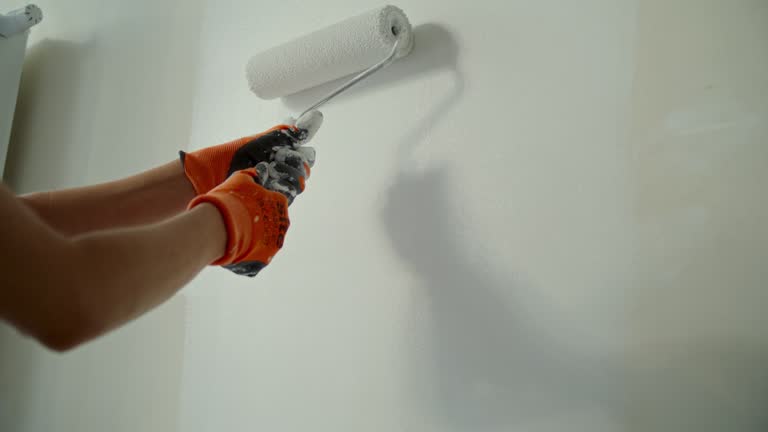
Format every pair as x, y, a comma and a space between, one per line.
256, 220
209, 167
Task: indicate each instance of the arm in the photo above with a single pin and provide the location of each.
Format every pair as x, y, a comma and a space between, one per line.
164, 191
64, 291
148, 197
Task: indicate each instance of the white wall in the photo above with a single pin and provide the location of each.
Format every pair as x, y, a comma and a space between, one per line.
547, 218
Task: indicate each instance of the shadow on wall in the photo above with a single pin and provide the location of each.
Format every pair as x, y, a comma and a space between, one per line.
435, 49
482, 363
488, 366
108, 106
50, 89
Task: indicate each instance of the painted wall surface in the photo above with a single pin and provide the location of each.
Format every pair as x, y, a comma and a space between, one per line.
548, 218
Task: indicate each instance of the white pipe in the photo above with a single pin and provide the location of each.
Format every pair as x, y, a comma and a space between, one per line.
19, 20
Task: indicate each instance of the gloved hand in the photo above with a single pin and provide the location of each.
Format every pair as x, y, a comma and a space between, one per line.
209, 167
288, 171
256, 220
254, 202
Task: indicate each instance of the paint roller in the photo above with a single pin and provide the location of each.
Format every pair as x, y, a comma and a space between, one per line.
363, 44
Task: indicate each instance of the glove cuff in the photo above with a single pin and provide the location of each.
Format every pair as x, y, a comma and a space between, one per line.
237, 221
197, 172
255, 218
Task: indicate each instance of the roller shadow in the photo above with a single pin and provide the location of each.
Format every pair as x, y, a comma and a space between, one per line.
50, 86
434, 49
481, 363
487, 367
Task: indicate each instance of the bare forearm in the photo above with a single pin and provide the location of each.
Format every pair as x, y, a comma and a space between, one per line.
148, 197
65, 291
131, 271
